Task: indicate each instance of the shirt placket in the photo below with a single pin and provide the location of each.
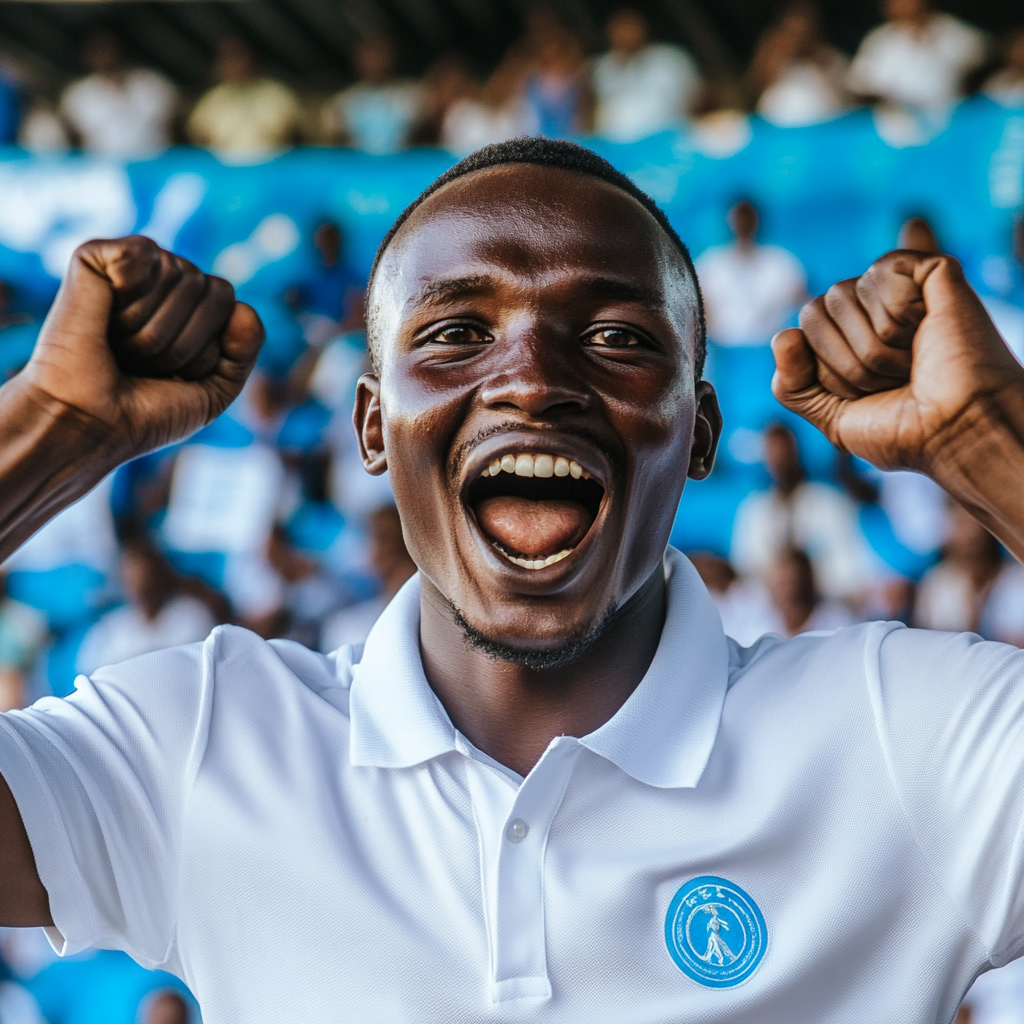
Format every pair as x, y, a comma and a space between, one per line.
514, 841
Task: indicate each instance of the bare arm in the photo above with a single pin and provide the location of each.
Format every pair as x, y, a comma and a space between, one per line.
903, 367
140, 349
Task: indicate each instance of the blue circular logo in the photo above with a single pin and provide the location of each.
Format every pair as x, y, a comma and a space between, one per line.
715, 932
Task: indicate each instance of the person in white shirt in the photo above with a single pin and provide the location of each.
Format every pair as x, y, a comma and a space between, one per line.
377, 113
816, 518
795, 78
155, 617
918, 58
972, 587
548, 787
119, 111
750, 290
640, 87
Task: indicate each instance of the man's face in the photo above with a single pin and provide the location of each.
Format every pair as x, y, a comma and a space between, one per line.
535, 320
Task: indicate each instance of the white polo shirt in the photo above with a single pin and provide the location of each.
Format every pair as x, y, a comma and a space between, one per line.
825, 829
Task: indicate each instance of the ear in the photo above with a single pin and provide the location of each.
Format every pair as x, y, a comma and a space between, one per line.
707, 430
366, 419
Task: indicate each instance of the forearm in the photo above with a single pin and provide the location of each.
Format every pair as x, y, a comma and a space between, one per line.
49, 457
983, 467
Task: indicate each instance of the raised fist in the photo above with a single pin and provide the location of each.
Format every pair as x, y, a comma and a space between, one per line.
901, 366
140, 346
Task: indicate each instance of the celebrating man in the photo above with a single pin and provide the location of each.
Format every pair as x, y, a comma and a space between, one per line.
548, 787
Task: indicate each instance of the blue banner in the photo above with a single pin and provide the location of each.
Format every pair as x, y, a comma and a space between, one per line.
834, 194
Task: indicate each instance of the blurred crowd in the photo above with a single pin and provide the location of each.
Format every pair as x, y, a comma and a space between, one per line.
912, 69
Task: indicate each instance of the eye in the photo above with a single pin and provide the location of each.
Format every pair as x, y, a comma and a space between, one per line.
460, 334
613, 337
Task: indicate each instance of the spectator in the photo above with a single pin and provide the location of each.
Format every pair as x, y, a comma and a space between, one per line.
245, 115
796, 78
449, 80
493, 113
973, 588
328, 291
750, 290
392, 565
744, 604
22, 631
157, 615
640, 87
1006, 86
917, 59
117, 110
167, 1007
378, 113
797, 513
555, 88
797, 603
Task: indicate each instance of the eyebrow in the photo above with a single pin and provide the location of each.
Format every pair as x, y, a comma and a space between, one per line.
593, 287
624, 291
438, 291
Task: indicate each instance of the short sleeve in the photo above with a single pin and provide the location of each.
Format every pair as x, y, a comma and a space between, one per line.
102, 780
950, 715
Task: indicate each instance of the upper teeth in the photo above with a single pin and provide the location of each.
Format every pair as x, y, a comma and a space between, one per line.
524, 464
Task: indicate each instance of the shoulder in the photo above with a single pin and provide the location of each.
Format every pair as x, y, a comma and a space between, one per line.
715, 258
779, 259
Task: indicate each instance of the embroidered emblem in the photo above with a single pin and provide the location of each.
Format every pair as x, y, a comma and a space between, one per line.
715, 932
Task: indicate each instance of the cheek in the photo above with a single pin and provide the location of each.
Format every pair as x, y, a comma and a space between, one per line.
420, 421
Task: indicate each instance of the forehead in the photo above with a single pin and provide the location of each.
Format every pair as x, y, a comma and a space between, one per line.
534, 225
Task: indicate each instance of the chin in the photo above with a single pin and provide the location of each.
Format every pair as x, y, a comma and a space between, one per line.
539, 652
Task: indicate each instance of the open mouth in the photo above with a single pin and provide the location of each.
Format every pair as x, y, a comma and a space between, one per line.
535, 508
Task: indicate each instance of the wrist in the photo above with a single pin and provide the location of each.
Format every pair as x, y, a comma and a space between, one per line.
979, 461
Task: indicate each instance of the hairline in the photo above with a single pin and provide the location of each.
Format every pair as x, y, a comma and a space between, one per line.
593, 166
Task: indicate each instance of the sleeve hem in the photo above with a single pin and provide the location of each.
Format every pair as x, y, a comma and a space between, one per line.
74, 929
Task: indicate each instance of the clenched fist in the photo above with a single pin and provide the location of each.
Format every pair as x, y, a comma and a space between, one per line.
142, 345
902, 366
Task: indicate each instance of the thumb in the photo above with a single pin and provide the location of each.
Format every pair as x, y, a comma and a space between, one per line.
796, 384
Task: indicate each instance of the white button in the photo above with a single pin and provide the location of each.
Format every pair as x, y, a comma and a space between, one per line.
516, 831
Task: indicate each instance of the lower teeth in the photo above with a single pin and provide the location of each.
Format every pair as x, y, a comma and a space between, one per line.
534, 563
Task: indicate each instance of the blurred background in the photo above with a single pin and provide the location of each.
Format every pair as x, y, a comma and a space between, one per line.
273, 142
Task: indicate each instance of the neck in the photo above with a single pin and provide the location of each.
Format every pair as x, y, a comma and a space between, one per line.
512, 712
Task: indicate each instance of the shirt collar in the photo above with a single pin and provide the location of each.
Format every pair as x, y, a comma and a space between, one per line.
662, 736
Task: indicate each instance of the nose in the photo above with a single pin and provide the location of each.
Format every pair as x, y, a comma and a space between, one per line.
536, 375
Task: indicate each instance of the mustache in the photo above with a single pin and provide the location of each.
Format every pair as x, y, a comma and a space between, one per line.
462, 451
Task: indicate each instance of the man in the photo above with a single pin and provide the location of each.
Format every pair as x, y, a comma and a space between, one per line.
117, 110
918, 58
547, 772
245, 116
751, 289
377, 113
640, 87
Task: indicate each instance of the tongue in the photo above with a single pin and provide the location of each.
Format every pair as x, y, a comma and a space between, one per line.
526, 527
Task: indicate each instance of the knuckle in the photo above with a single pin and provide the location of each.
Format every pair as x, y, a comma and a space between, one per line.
146, 342
812, 313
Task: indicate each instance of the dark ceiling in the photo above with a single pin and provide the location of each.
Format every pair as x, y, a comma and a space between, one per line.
309, 42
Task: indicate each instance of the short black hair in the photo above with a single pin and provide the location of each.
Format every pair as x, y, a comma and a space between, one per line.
568, 156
